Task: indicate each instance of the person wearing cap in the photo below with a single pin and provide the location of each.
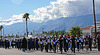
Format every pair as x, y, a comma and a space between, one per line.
51, 41
5, 44
73, 43
86, 42
41, 45
90, 42
68, 38
82, 41
60, 43
24, 44
19, 44
36, 44
57, 43
46, 45
98, 40
54, 45
64, 41
78, 41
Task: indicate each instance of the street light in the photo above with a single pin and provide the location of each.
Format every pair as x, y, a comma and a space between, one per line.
94, 17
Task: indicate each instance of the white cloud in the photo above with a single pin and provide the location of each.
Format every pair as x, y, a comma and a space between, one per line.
58, 9
12, 20
65, 8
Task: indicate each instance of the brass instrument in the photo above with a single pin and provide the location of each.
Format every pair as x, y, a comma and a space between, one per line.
52, 43
39, 43
44, 43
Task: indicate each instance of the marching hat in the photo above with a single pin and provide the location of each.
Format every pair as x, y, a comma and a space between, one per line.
98, 35
60, 36
86, 36
72, 35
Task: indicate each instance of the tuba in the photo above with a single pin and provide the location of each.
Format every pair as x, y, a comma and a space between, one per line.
52, 43
39, 43
44, 43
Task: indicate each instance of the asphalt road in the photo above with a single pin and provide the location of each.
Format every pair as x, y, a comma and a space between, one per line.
32, 52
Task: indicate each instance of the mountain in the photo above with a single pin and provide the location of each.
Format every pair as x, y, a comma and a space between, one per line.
58, 24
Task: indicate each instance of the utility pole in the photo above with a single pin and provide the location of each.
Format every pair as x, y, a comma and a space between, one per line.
94, 16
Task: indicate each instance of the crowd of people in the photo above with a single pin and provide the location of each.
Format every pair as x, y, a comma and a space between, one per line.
62, 43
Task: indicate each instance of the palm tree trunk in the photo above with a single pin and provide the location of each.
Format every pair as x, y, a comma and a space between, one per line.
26, 28
1, 33
94, 17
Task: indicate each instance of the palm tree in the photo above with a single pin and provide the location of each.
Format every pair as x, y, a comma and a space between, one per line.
26, 16
1, 29
94, 18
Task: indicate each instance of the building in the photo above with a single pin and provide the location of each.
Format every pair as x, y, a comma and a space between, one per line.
90, 30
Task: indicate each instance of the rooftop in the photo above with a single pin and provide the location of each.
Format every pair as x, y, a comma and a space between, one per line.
98, 21
92, 26
88, 27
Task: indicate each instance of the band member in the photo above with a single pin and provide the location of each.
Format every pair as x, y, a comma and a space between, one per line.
41, 45
57, 43
82, 41
90, 42
46, 45
73, 43
69, 42
64, 41
61, 44
78, 41
19, 44
98, 39
5, 43
30, 44
54, 45
50, 45
86, 42
36, 44
24, 44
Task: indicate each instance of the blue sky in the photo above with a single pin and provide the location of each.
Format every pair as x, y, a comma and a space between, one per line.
10, 7
12, 11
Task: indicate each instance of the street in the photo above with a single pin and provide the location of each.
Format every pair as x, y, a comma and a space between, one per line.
32, 52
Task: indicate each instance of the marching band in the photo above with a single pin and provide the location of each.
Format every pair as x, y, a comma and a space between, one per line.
55, 44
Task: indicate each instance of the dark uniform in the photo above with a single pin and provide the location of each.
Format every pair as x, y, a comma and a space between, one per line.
90, 43
19, 44
73, 44
78, 41
65, 44
46, 46
33, 44
37, 46
61, 44
24, 44
30, 44
54, 45
5, 43
41, 45
98, 39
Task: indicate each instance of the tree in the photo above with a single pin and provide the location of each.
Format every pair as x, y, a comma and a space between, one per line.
76, 30
31, 33
1, 30
26, 16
